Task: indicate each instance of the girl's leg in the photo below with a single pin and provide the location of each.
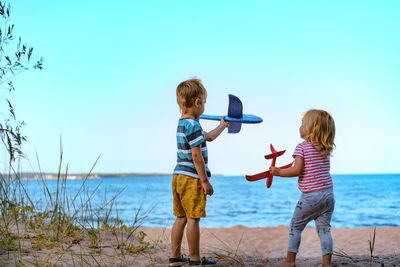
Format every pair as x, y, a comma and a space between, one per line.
322, 223
301, 216
324, 233
193, 237
290, 260
326, 260
176, 236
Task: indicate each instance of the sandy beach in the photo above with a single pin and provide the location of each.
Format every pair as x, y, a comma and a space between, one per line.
235, 246
267, 246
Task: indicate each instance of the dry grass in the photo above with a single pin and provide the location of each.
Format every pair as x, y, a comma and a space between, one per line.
68, 229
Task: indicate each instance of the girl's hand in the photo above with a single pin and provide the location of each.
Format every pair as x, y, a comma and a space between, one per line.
274, 171
224, 123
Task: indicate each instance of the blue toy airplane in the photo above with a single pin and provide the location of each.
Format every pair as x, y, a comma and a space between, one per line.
235, 115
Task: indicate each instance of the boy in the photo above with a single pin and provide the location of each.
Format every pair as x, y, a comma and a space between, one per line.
190, 182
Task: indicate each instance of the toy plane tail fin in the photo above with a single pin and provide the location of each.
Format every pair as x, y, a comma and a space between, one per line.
234, 127
272, 148
235, 110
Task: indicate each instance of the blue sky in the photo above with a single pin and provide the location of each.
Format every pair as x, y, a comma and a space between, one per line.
111, 70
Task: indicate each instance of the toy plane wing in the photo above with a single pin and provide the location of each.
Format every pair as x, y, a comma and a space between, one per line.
262, 175
235, 115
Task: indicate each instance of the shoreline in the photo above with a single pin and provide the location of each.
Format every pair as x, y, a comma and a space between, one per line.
280, 225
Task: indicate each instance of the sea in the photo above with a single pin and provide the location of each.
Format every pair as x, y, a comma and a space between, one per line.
366, 200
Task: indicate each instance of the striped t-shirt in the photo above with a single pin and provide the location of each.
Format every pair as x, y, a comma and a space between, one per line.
189, 135
315, 175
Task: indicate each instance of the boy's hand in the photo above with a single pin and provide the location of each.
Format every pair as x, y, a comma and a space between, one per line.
274, 171
210, 136
207, 187
224, 123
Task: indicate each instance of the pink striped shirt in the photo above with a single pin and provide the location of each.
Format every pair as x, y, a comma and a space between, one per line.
315, 175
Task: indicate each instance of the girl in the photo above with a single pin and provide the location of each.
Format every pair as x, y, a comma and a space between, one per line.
311, 165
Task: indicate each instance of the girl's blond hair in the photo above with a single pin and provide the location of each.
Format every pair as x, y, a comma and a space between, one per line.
188, 91
320, 128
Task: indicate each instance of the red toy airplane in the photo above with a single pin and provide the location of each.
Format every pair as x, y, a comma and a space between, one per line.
262, 175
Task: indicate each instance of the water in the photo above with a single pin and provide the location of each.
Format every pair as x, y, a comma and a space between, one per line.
361, 200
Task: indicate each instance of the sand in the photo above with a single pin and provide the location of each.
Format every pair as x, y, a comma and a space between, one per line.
235, 246
267, 246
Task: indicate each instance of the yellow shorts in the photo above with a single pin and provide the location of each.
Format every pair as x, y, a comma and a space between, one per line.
189, 198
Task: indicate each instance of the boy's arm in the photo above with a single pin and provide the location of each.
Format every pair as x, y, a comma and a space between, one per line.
211, 135
294, 171
201, 170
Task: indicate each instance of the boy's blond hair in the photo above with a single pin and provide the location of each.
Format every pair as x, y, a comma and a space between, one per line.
320, 128
187, 92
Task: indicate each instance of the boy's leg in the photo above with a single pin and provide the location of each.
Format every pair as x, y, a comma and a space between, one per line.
176, 236
193, 238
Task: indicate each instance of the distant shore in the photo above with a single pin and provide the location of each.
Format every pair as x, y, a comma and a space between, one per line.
77, 176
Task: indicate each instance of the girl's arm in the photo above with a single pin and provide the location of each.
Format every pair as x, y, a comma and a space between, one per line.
200, 166
294, 171
211, 135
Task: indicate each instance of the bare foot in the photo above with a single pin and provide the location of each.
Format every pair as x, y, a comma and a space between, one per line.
286, 264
